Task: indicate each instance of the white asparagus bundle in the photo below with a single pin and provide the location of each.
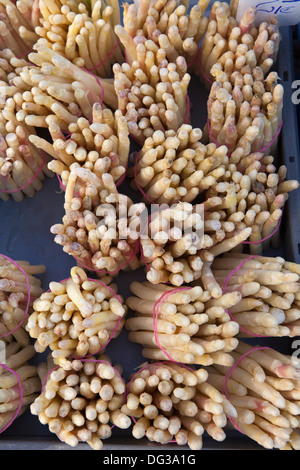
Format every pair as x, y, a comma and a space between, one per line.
60, 88
270, 289
17, 291
180, 238
23, 384
261, 194
83, 32
22, 167
152, 92
188, 325
77, 316
233, 46
99, 142
245, 111
269, 411
18, 22
82, 401
171, 403
100, 227
167, 23
176, 166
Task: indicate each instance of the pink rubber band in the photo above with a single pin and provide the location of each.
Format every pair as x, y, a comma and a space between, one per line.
273, 140
224, 291
90, 360
135, 139
203, 73
31, 179
24, 54
125, 55
259, 151
21, 397
196, 60
116, 326
155, 315
28, 295
235, 270
227, 376
62, 186
99, 83
154, 364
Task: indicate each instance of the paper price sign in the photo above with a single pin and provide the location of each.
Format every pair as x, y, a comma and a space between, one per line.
286, 11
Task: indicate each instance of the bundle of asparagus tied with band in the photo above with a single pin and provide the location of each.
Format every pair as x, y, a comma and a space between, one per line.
175, 165
171, 403
77, 316
17, 25
81, 402
165, 22
270, 304
261, 194
265, 394
100, 145
181, 237
188, 325
22, 167
19, 381
152, 92
19, 287
56, 86
83, 32
245, 111
237, 46
100, 227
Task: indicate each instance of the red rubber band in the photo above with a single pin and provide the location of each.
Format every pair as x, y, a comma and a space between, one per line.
99, 83
24, 54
